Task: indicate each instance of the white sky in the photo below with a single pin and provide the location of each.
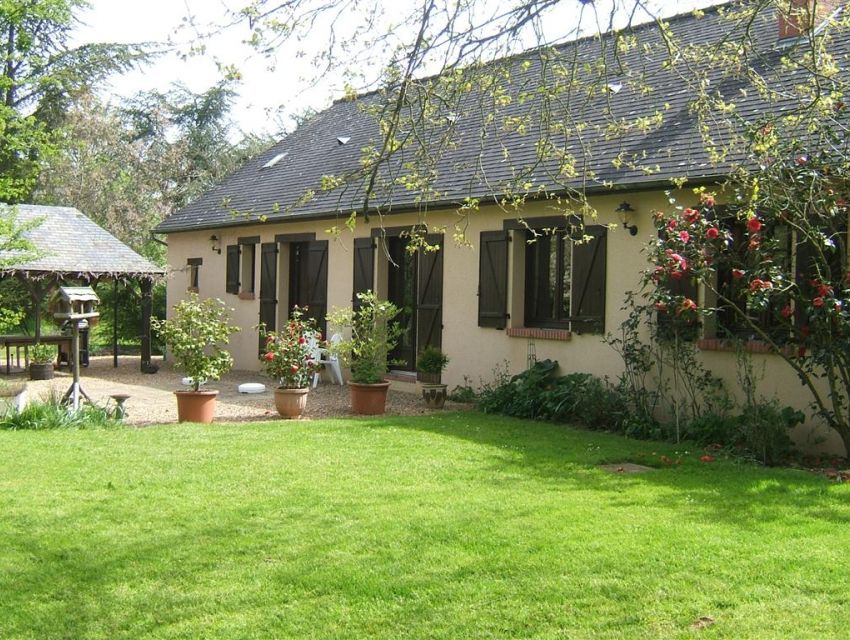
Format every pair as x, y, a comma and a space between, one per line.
267, 97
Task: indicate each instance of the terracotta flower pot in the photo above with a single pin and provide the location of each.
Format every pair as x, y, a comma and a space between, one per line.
369, 399
290, 403
196, 406
434, 395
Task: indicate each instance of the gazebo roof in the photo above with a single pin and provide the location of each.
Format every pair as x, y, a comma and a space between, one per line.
73, 246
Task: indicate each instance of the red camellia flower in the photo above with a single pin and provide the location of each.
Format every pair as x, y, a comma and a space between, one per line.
758, 284
712, 233
753, 225
707, 200
672, 224
294, 368
269, 356
687, 305
754, 243
824, 290
301, 340
661, 306
707, 458
817, 302
691, 215
684, 236
787, 311
737, 274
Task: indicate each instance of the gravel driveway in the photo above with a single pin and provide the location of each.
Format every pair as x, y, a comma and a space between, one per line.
152, 398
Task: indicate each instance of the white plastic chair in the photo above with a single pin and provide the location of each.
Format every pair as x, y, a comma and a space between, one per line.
325, 357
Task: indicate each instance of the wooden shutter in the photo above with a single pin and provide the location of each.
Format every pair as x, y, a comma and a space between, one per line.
268, 286
493, 279
364, 268
588, 282
429, 292
232, 285
316, 277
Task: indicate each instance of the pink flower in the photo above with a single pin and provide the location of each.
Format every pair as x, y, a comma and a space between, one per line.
754, 225
294, 368
787, 311
738, 274
269, 356
758, 284
301, 340
707, 200
824, 290
684, 236
707, 458
817, 302
672, 224
712, 233
691, 215
661, 306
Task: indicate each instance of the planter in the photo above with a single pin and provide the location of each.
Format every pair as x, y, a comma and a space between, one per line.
41, 371
369, 399
428, 378
290, 403
13, 398
434, 395
196, 406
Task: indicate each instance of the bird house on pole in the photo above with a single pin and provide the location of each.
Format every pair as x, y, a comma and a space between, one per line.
77, 303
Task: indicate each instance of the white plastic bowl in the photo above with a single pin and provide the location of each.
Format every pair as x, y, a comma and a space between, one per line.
251, 387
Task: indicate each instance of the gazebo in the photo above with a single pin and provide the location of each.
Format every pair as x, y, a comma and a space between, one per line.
73, 248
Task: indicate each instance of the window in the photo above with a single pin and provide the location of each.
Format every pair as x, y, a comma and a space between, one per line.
548, 275
194, 265
564, 279
241, 267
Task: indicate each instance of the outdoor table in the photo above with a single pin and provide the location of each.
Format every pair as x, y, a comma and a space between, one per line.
17, 342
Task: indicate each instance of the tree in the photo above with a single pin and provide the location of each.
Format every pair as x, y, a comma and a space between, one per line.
40, 74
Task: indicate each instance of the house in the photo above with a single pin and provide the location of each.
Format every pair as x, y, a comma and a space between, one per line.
259, 240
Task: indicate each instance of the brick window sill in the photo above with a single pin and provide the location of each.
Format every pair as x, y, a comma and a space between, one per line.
539, 334
751, 346
246, 295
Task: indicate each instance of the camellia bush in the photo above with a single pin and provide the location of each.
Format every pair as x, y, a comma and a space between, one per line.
288, 356
770, 264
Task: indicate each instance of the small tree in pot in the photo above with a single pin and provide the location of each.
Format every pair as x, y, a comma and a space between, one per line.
373, 334
430, 365
196, 334
289, 358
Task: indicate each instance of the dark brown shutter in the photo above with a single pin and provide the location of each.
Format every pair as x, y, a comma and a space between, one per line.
493, 279
316, 277
232, 269
429, 304
588, 282
364, 268
268, 286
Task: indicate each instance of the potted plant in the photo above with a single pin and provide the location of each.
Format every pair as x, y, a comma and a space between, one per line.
373, 334
196, 334
13, 395
430, 365
41, 361
290, 359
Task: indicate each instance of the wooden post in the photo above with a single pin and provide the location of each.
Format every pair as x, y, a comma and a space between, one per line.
115, 323
147, 308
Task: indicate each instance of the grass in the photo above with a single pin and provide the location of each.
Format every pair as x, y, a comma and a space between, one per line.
450, 526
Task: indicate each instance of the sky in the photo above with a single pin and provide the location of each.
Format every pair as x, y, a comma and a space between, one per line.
268, 97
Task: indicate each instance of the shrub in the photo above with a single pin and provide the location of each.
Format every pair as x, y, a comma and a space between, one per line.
42, 353
53, 414
764, 430
431, 360
288, 355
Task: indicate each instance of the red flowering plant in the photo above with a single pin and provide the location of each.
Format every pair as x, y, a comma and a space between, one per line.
289, 354
774, 266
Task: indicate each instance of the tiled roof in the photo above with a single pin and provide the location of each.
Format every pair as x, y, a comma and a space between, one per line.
72, 245
476, 163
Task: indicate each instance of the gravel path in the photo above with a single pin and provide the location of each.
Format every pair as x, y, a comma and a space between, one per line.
152, 398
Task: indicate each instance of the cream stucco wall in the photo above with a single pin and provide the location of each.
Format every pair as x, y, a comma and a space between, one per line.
474, 351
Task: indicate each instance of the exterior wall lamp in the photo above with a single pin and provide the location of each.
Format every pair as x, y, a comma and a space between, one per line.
215, 243
625, 212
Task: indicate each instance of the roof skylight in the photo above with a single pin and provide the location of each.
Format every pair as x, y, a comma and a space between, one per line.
275, 160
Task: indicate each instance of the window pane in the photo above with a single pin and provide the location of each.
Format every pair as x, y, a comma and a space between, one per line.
566, 277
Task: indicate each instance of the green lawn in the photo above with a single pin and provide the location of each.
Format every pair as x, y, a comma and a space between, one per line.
451, 526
